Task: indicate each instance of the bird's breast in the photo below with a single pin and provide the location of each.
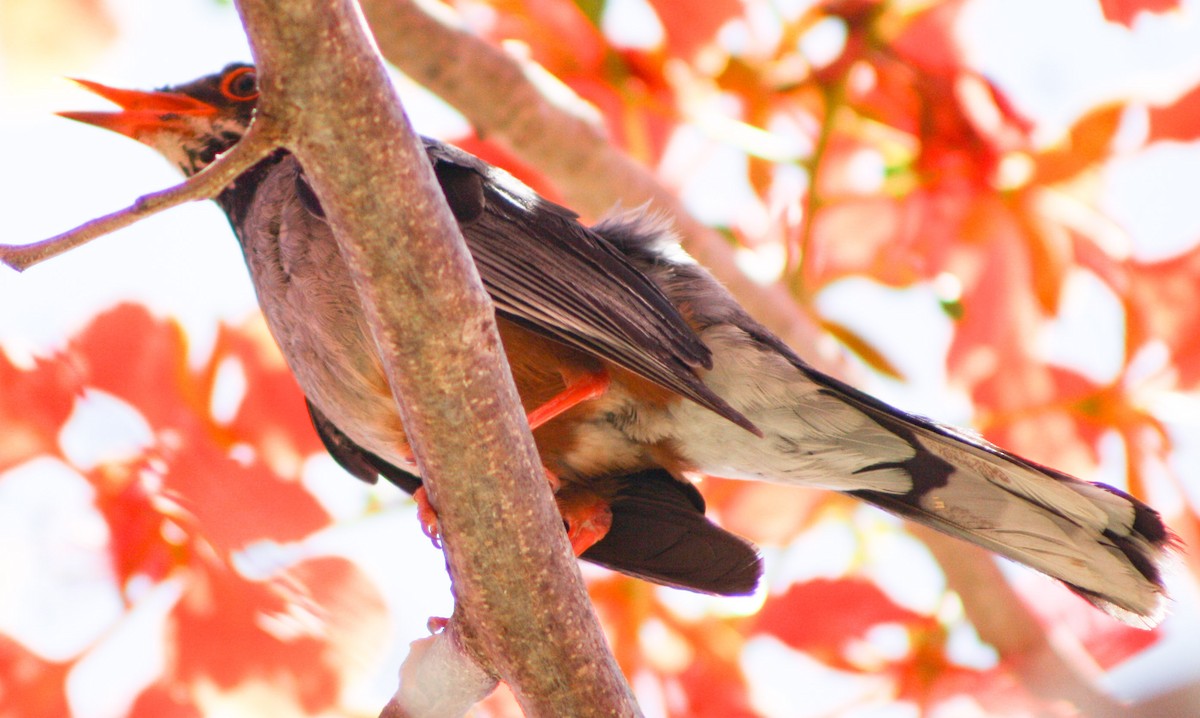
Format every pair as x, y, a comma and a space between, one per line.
312, 309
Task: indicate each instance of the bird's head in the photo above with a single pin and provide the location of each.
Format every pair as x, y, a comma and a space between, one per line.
189, 124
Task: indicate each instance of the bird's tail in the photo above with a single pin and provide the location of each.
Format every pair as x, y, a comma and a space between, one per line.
820, 432
1106, 545
817, 431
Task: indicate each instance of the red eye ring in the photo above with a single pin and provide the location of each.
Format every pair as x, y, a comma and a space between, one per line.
240, 85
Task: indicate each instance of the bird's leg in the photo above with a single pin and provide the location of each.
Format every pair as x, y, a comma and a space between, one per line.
577, 390
586, 522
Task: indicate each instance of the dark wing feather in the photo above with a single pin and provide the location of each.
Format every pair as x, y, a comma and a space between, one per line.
547, 272
361, 463
659, 533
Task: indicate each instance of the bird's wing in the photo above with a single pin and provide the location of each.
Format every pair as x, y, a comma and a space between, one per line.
359, 462
549, 273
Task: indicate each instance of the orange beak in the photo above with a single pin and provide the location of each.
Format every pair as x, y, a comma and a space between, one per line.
140, 111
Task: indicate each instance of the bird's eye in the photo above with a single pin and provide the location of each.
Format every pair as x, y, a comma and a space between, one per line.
241, 84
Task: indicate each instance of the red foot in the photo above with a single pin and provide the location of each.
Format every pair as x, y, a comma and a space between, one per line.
588, 386
436, 624
428, 517
587, 524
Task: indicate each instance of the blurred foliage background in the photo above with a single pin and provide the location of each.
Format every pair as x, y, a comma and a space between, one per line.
985, 208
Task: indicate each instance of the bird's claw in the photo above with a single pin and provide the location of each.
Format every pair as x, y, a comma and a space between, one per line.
428, 517
586, 525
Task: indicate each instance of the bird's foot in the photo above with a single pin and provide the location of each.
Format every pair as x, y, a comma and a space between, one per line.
428, 517
587, 524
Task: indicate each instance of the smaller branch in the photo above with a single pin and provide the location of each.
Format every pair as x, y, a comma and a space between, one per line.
258, 143
833, 100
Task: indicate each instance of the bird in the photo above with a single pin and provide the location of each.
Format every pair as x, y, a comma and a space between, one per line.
637, 370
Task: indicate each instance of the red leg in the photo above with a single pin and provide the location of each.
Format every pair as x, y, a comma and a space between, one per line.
587, 522
588, 386
552, 478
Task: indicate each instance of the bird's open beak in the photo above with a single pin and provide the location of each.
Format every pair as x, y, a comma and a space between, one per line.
140, 111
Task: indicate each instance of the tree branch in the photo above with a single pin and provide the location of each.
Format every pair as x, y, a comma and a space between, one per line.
258, 142
517, 584
494, 91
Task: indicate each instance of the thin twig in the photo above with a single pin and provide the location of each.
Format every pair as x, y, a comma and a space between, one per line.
833, 96
259, 141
